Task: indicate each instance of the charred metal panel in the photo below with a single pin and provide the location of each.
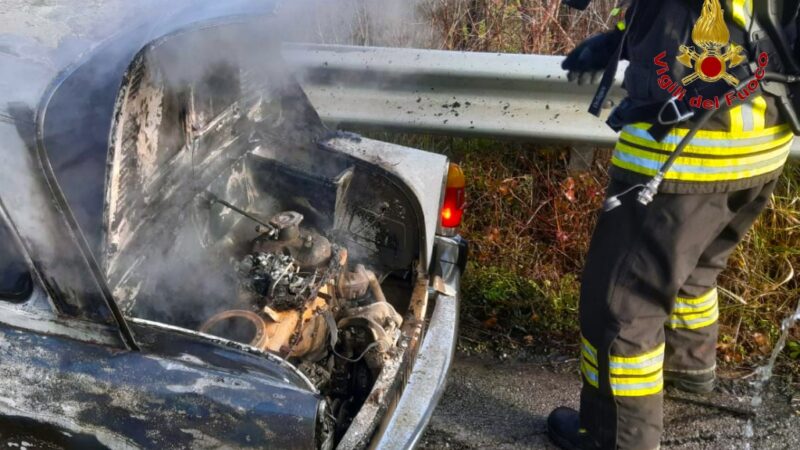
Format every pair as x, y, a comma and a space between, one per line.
75, 133
179, 393
390, 384
80, 112
50, 241
192, 106
422, 173
375, 214
36, 315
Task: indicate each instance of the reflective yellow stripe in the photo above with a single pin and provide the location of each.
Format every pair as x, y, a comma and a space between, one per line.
589, 357
720, 135
690, 317
643, 391
655, 376
685, 306
699, 325
701, 177
737, 121
590, 374
630, 376
759, 113
643, 365
724, 145
588, 350
645, 373
710, 151
693, 309
685, 324
588, 345
674, 174
589, 362
659, 351
695, 313
741, 12
742, 161
702, 299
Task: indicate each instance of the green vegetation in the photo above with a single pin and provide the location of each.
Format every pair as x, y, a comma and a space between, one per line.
529, 223
529, 220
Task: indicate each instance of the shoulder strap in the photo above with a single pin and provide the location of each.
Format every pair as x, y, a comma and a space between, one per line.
611, 69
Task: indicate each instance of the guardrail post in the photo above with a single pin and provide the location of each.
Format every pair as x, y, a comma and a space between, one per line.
581, 158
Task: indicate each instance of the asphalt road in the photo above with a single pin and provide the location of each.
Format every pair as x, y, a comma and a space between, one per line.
490, 404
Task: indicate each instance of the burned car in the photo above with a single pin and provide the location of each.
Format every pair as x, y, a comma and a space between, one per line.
191, 259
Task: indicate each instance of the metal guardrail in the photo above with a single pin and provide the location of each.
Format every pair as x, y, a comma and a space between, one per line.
494, 95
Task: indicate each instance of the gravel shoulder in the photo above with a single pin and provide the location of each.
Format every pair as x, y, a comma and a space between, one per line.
504, 404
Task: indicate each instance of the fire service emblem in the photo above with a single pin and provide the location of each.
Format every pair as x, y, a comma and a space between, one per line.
715, 54
712, 56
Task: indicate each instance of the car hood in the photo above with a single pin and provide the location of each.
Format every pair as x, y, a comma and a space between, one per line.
192, 106
67, 75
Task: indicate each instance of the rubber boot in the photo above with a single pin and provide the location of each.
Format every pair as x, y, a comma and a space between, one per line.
564, 429
692, 383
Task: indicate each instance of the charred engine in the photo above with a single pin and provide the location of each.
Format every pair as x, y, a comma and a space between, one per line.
301, 299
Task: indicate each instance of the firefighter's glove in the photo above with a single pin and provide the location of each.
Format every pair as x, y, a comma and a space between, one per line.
588, 61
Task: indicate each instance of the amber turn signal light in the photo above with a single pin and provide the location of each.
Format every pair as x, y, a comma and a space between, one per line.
454, 197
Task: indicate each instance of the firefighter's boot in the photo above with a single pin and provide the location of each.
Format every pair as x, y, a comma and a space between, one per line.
693, 383
564, 429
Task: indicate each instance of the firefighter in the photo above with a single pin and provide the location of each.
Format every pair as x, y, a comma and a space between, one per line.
649, 301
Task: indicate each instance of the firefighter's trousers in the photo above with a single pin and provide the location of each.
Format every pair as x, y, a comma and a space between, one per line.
649, 303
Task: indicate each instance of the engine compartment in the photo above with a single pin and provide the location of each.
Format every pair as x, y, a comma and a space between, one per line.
327, 289
232, 211
298, 297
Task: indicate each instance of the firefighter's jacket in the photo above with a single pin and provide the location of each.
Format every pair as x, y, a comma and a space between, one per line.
742, 146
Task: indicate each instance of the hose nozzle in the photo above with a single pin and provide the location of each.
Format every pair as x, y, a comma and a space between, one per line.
615, 201
648, 193
612, 203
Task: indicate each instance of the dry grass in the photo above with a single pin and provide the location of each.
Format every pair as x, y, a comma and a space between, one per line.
761, 284
529, 224
520, 26
515, 26
529, 220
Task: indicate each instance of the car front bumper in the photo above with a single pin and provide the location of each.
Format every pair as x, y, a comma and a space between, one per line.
405, 425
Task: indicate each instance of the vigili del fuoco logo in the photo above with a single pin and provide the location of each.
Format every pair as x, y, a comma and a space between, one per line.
710, 59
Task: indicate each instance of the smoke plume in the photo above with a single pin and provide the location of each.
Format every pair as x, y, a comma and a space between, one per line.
54, 34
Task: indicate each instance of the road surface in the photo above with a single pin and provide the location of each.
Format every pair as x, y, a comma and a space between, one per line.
491, 404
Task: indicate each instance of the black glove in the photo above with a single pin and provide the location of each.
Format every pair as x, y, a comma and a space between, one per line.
589, 59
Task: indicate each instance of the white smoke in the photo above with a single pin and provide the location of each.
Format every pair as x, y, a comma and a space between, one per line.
55, 33
56, 23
